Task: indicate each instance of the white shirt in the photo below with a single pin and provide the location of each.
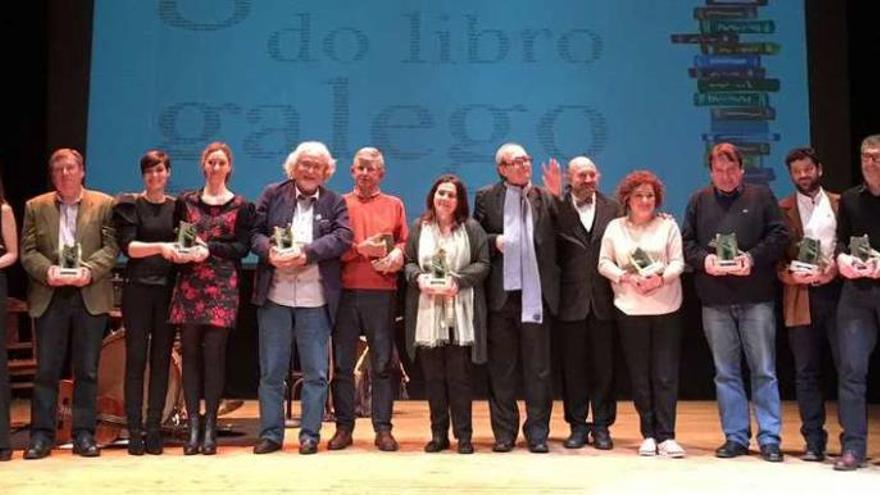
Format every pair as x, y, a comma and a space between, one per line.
300, 287
818, 221
587, 211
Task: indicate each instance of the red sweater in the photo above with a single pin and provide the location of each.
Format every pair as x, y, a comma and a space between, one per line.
380, 214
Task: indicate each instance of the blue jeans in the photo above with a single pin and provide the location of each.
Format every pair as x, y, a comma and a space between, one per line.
279, 326
858, 320
731, 331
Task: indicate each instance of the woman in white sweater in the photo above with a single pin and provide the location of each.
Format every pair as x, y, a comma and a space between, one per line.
642, 256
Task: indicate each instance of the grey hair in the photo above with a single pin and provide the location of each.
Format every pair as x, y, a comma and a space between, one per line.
314, 148
505, 150
872, 141
371, 154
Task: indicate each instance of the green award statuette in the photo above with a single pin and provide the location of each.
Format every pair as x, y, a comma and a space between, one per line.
860, 249
284, 240
726, 250
809, 258
644, 264
70, 259
383, 241
186, 237
439, 278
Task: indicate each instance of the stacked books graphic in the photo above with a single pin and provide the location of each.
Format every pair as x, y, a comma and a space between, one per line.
731, 81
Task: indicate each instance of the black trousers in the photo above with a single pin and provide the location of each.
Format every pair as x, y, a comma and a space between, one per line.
370, 312
511, 344
147, 332
5, 396
809, 345
204, 367
66, 322
447, 371
587, 372
652, 346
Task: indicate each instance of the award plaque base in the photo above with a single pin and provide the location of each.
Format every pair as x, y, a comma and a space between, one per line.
654, 268
183, 250
288, 251
68, 272
729, 265
437, 282
802, 267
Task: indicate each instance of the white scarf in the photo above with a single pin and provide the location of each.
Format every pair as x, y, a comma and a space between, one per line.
432, 323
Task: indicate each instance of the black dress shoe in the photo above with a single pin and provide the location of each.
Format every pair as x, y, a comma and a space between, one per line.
848, 461
539, 447
308, 445
153, 444
502, 446
192, 445
770, 452
731, 449
576, 440
813, 454
38, 448
5, 455
465, 447
437, 444
136, 443
266, 446
85, 446
602, 439
209, 441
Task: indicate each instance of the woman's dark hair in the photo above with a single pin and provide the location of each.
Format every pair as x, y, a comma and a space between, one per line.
153, 158
462, 210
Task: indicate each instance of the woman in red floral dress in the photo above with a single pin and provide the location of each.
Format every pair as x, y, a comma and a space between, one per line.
205, 299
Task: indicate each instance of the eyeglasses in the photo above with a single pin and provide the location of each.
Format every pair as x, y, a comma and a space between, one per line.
520, 161
871, 156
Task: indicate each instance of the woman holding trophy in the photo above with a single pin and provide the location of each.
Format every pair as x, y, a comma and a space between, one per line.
642, 256
447, 259
145, 233
213, 237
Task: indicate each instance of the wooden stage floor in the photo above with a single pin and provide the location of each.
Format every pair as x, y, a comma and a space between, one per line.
362, 469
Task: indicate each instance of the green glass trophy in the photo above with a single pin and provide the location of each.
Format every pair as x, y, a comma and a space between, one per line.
644, 264
186, 237
439, 278
70, 259
860, 249
726, 250
383, 241
284, 240
809, 258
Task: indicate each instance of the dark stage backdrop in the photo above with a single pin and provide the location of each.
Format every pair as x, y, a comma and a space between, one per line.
437, 86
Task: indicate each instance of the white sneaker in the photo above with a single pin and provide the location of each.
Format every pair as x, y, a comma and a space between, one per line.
671, 448
648, 447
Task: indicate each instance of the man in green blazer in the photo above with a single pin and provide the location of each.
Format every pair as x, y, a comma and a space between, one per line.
69, 301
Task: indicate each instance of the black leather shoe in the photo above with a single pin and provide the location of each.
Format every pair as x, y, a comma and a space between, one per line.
341, 439
266, 446
731, 449
136, 443
503, 446
602, 439
308, 445
771, 453
192, 445
813, 454
539, 447
576, 440
209, 442
38, 448
437, 444
85, 446
153, 444
848, 461
5, 455
465, 447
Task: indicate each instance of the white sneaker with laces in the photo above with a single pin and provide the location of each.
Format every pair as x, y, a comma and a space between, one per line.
648, 447
671, 448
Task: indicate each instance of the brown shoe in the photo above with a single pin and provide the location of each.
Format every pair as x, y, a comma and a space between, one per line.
386, 442
848, 461
341, 439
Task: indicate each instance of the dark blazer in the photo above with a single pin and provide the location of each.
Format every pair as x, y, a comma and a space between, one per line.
489, 212
332, 237
471, 276
583, 288
94, 232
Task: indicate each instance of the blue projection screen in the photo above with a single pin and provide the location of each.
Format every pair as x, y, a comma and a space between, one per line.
439, 85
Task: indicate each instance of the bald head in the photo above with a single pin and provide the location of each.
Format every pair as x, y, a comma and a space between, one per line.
583, 177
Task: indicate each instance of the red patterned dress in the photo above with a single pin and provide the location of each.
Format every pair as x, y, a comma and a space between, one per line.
206, 293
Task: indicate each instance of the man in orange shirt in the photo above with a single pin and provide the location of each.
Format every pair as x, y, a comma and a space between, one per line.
369, 282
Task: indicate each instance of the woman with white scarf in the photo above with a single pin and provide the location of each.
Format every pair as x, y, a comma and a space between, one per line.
447, 260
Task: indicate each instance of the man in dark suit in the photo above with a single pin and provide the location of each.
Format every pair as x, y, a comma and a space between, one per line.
585, 326
523, 295
297, 290
70, 305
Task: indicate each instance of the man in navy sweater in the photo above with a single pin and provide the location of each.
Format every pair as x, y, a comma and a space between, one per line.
738, 300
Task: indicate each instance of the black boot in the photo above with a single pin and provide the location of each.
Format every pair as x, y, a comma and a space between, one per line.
135, 442
154, 440
209, 444
191, 447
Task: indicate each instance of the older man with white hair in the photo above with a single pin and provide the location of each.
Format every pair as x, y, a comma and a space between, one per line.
298, 288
